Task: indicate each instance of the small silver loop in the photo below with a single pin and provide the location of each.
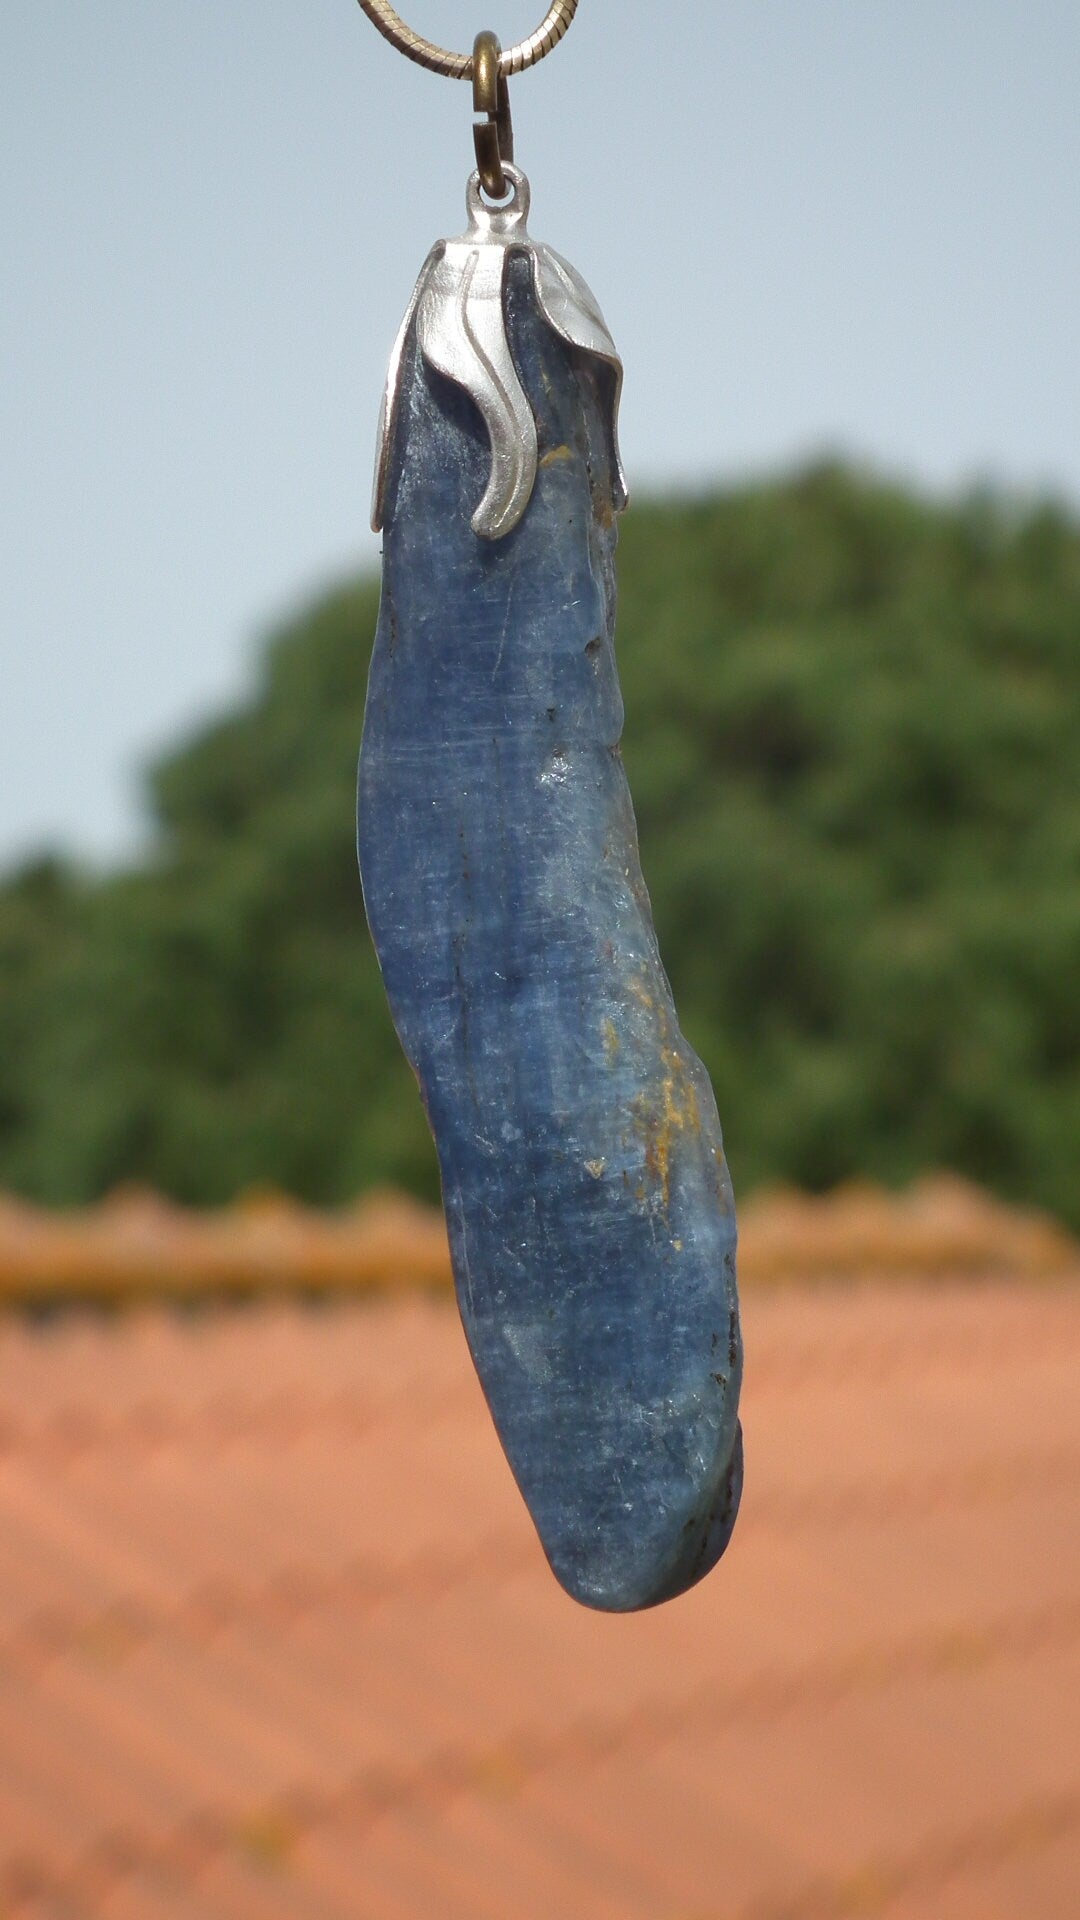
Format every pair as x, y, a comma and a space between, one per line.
501, 219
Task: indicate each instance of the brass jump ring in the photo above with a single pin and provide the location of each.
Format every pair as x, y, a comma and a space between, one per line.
459, 66
493, 136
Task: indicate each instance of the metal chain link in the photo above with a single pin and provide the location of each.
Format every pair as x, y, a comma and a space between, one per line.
459, 66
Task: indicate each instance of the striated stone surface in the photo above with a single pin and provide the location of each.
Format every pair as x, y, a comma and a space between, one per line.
587, 1199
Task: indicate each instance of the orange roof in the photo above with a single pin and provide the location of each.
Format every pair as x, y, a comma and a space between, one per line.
277, 1641
137, 1245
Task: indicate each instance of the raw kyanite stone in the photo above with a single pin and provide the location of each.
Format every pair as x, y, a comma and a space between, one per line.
587, 1198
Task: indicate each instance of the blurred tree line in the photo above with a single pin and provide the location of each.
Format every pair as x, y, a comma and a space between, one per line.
853, 738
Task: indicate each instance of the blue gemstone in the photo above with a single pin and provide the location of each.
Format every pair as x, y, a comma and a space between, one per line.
587, 1198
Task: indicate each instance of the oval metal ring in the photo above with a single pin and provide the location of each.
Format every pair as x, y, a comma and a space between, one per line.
459, 66
493, 136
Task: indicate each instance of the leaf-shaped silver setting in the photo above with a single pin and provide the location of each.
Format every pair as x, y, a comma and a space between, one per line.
569, 305
462, 332
384, 438
457, 308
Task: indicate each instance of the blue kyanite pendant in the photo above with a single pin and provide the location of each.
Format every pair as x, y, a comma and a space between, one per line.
587, 1198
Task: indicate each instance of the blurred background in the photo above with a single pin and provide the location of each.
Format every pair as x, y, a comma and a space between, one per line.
273, 1617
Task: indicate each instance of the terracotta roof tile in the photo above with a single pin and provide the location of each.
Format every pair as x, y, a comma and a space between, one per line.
277, 1640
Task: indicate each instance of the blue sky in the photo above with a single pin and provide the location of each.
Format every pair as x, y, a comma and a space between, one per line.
842, 225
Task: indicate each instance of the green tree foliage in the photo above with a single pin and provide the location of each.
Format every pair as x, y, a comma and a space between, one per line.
854, 742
